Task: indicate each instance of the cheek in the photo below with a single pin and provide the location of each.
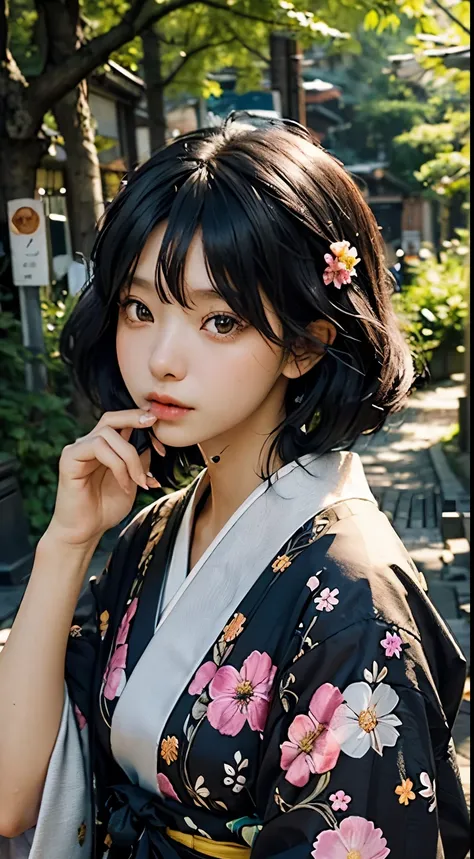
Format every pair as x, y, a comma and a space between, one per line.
129, 357
249, 369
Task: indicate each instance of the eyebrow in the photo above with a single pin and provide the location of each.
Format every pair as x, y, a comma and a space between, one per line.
200, 293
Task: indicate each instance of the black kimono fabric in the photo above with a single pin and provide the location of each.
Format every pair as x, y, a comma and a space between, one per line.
319, 723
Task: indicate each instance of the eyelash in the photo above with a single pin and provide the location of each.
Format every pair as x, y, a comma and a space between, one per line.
129, 302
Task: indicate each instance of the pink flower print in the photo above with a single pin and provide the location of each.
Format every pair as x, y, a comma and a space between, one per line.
340, 801
124, 627
356, 838
392, 645
81, 719
327, 600
312, 747
202, 678
241, 696
114, 677
165, 787
313, 583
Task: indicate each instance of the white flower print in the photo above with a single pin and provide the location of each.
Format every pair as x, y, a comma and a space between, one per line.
327, 600
366, 720
193, 826
375, 676
313, 583
234, 776
430, 790
200, 787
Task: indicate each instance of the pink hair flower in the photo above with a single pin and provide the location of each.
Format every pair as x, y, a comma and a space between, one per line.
341, 263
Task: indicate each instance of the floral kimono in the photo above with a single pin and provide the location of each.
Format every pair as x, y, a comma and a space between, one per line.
291, 696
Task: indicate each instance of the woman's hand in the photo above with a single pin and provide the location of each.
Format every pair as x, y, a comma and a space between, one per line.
98, 478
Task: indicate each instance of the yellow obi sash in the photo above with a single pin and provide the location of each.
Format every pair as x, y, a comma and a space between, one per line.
207, 847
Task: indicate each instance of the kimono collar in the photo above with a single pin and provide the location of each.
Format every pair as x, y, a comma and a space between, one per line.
212, 592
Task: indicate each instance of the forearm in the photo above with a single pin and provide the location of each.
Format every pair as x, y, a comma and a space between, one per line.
32, 677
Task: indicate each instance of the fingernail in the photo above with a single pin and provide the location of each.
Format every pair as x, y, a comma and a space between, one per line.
147, 419
142, 481
154, 482
159, 449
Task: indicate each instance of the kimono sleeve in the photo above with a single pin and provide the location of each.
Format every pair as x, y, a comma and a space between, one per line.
352, 751
95, 611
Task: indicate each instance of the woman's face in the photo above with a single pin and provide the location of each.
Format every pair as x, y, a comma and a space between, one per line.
204, 358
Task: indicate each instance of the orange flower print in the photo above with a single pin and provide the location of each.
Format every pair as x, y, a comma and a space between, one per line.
75, 631
281, 564
234, 628
169, 749
404, 791
108, 840
104, 622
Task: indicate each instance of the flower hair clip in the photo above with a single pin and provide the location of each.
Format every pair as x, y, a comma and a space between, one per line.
340, 267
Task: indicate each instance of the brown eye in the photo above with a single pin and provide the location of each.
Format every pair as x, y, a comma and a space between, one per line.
224, 324
135, 311
221, 323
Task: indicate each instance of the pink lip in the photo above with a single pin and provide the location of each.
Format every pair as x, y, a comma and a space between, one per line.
167, 413
166, 408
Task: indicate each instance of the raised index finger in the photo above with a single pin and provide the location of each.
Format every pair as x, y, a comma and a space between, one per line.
127, 419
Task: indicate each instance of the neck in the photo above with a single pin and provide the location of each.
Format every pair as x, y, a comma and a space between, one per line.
243, 457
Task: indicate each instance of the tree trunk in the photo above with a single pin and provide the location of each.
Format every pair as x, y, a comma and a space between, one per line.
18, 163
154, 87
83, 180
20, 151
63, 36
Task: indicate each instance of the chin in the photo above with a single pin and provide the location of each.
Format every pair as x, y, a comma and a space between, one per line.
173, 436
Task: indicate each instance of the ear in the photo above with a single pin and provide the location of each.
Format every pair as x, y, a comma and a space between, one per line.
306, 353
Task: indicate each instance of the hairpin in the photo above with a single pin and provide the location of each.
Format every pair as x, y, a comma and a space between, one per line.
340, 267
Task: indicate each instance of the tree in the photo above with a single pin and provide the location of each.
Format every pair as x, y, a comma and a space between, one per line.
67, 58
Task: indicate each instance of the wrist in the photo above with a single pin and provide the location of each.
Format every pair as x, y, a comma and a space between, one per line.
56, 538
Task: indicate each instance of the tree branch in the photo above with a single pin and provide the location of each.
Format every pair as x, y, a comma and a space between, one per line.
249, 48
452, 16
53, 84
204, 47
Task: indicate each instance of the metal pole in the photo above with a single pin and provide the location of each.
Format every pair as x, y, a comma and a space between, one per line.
33, 339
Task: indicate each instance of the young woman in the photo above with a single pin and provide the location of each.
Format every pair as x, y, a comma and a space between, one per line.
259, 672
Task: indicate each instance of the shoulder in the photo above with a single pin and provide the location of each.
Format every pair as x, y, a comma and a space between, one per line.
149, 524
360, 561
158, 511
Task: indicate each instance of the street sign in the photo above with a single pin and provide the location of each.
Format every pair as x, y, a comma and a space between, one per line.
28, 242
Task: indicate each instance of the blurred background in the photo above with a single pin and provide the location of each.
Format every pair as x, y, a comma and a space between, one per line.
90, 89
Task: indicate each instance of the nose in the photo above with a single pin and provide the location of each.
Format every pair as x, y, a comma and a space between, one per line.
167, 357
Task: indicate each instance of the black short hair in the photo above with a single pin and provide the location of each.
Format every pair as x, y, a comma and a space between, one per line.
268, 201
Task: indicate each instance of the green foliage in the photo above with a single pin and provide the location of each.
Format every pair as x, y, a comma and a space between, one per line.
376, 106
443, 136
446, 148
433, 307
197, 39
34, 427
